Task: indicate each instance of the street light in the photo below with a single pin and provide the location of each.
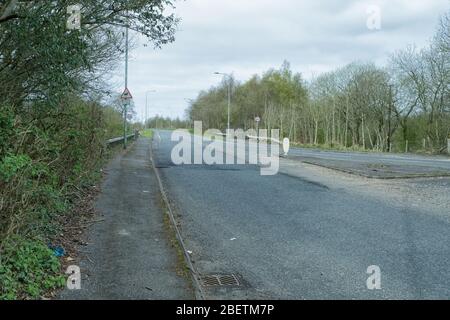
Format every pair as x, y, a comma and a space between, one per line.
146, 106
125, 99
126, 88
229, 96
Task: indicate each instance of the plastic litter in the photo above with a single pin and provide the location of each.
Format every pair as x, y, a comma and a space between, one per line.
58, 251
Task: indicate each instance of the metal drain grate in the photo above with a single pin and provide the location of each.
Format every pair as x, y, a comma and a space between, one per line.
220, 280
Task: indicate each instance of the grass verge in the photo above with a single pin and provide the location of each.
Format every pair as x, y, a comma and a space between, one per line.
181, 267
147, 133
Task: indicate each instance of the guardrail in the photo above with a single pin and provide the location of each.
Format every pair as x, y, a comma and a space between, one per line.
254, 138
265, 138
119, 140
285, 143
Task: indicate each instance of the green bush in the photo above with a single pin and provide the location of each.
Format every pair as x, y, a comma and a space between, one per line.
10, 165
47, 156
28, 268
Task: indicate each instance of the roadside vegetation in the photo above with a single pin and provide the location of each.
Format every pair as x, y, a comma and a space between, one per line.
404, 106
159, 122
147, 133
56, 113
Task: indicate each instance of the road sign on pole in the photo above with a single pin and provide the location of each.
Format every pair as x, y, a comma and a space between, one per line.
126, 95
126, 98
257, 120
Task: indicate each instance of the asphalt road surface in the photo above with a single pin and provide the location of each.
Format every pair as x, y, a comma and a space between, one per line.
400, 164
439, 162
287, 237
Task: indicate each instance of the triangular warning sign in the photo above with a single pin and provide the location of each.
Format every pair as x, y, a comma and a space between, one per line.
126, 95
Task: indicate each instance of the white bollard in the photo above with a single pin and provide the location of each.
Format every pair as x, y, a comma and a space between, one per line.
286, 146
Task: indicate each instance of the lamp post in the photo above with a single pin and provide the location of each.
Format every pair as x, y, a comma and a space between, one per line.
126, 86
126, 96
146, 106
229, 96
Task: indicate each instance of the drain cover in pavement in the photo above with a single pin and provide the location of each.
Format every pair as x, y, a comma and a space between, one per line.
220, 280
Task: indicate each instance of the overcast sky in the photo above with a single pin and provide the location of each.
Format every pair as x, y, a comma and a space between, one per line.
245, 37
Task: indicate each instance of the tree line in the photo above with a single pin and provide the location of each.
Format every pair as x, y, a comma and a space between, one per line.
404, 106
159, 122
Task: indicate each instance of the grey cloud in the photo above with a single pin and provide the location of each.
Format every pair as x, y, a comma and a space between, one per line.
250, 36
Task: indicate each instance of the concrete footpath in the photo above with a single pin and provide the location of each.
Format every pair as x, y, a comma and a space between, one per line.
128, 253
